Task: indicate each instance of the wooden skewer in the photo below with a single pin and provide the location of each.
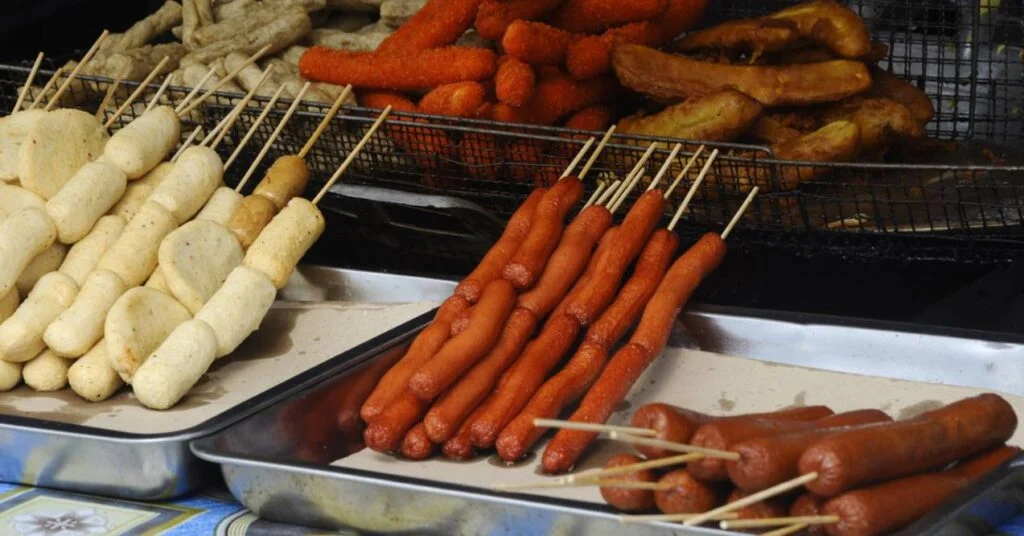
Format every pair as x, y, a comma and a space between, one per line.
138, 91
672, 517
638, 173
576, 159
594, 427
273, 136
28, 83
325, 121
753, 498
664, 167
739, 213
686, 169
223, 82
624, 484
195, 90
252, 129
110, 93
221, 126
41, 97
597, 152
74, 72
786, 531
633, 467
670, 445
597, 193
235, 113
692, 191
187, 143
611, 191
779, 521
629, 176
352, 155
159, 93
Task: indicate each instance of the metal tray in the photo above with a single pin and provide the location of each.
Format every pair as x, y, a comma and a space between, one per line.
278, 465
111, 456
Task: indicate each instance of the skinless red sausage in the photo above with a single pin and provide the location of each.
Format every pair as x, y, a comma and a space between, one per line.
459, 446
688, 496
581, 283
546, 227
357, 388
671, 424
461, 352
769, 460
890, 506
629, 500
809, 504
875, 453
774, 507
461, 322
416, 445
497, 257
385, 433
722, 433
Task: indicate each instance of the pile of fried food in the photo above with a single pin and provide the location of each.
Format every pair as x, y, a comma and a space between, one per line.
874, 475
803, 81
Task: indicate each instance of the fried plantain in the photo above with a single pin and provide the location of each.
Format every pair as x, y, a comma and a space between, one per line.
831, 24
747, 35
719, 116
887, 85
816, 54
882, 122
838, 141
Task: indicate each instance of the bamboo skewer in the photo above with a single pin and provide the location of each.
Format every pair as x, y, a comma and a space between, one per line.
597, 193
274, 135
223, 82
739, 213
779, 521
576, 159
352, 155
41, 97
225, 125
252, 129
138, 91
664, 167
28, 83
686, 169
597, 152
187, 143
693, 187
630, 181
78, 68
609, 193
672, 517
786, 531
110, 93
676, 447
325, 121
634, 467
159, 93
593, 427
557, 484
777, 489
195, 90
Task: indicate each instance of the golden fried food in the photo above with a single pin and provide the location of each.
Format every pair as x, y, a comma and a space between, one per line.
888, 85
670, 78
838, 141
772, 129
831, 24
881, 121
817, 54
719, 116
750, 35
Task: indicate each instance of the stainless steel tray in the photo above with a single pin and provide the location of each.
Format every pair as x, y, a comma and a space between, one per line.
53, 449
278, 467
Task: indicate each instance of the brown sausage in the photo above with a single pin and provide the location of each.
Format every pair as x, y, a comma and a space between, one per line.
629, 500
774, 507
591, 300
722, 433
497, 257
526, 265
687, 496
416, 445
286, 179
385, 433
523, 380
459, 446
461, 352
567, 262
252, 214
449, 411
874, 453
887, 507
671, 424
809, 504
424, 346
769, 460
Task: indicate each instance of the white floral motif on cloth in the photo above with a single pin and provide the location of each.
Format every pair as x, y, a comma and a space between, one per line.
73, 523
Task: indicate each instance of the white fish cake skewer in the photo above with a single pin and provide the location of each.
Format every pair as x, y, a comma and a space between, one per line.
23, 235
86, 197
136, 325
170, 371
21, 335
46, 372
138, 191
196, 259
48, 261
91, 376
78, 328
83, 257
57, 145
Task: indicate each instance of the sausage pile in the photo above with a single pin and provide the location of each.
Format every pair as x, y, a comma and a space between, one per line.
877, 475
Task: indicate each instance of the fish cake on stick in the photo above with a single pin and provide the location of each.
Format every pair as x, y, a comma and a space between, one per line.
21, 335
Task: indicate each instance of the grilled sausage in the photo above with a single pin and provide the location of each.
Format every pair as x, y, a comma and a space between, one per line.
629, 500
416, 445
671, 424
687, 496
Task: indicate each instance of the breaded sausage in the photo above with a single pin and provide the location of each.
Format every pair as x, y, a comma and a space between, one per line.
416, 445
533, 254
624, 499
461, 352
688, 495
671, 424
252, 214
497, 257
890, 450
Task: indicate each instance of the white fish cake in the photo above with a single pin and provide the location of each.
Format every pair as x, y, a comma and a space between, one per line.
138, 191
86, 197
23, 235
91, 376
57, 145
78, 328
278, 249
9, 303
174, 368
238, 307
15, 198
13, 130
221, 206
10, 375
195, 260
46, 372
143, 143
157, 281
133, 256
48, 261
196, 174
85, 254
136, 325
21, 335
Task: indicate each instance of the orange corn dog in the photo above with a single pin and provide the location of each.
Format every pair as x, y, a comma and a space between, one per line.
596, 117
424, 145
557, 97
590, 16
515, 81
461, 99
495, 16
439, 23
536, 43
406, 71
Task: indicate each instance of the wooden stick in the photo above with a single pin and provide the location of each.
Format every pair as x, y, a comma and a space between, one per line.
611, 191
252, 129
159, 93
673, 446
597, 152
664, 167
594, 427
28, 83
187, 143
777, 489
273, 136
624, 484
739, 213
325, 121
779, 521
692, 191
672, 517
638, 173
683, 173
786, 531
633, 467
138, 91
195, 90
352, 155
110, 92
223, 82
576, 159
221, 126
237, 111
46, 88
601, 185
74, 72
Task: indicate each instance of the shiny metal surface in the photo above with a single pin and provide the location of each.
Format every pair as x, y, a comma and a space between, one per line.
279, 467
38, 452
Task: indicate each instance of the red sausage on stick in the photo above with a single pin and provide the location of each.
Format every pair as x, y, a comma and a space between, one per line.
625, 499
545, 229
670, 424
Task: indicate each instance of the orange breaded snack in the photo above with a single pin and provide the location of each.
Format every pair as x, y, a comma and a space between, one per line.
423, 145
495, 16
515, 82
596, 117
407, 71
439, 23
591, 16
461, 99
536, 43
